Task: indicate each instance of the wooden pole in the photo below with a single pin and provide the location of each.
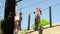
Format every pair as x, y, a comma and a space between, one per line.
29, 22
50, 15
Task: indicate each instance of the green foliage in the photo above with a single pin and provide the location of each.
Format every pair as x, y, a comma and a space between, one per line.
1, 21
42, 22
23, 31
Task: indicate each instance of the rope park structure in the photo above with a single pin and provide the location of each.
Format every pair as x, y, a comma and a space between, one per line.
37, 18
9, 14
38, 13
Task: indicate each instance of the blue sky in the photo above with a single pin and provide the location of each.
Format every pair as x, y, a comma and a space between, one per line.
32, 8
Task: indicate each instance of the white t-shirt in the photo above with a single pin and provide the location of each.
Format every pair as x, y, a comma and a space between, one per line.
16, 18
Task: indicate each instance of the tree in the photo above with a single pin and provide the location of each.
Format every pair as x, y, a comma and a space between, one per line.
43, 22
9, 14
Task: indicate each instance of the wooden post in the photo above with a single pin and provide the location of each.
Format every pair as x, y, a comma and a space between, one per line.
50, 15
29, 22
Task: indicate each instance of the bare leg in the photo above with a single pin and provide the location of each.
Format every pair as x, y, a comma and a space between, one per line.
16, 31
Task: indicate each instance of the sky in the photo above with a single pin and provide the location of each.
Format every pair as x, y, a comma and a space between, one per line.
27, 6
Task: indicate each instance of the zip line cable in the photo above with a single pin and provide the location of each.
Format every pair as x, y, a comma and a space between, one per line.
39, 3
34, 4
57, 4
52, 6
